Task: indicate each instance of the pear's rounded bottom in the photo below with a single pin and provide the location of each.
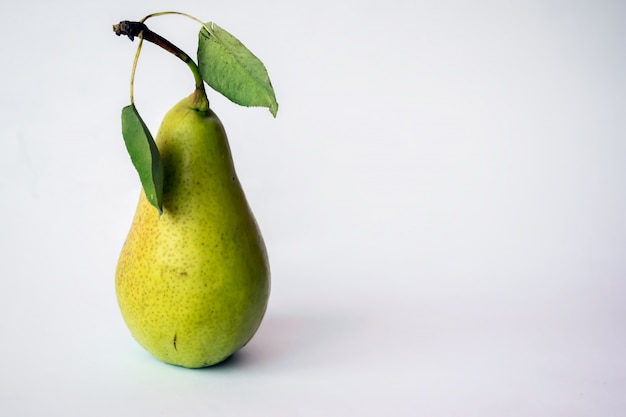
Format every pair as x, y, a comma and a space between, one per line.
199, 365
196, 364
191, 360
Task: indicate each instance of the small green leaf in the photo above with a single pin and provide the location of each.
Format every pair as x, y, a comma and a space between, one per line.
231, 69
144, 154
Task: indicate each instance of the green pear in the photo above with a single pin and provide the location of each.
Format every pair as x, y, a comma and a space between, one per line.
193, 283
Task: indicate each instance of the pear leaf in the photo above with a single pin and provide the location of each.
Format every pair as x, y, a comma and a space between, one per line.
144, 154
232, 70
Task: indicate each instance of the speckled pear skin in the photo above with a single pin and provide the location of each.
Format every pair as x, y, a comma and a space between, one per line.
193, 284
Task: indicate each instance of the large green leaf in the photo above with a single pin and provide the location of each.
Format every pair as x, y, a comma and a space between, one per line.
144, 154
231, 69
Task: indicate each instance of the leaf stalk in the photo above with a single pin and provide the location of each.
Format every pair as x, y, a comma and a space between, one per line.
140, 30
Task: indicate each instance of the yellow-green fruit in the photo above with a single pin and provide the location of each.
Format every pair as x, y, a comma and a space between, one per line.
193, 283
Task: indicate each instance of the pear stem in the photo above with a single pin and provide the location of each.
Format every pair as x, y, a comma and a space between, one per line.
139, 29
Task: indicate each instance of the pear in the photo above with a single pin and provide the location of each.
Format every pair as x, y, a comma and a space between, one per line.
193, 283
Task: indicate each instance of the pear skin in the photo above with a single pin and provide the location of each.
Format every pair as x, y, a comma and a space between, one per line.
193, 284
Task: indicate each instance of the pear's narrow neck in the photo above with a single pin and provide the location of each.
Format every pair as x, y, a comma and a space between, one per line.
199, 100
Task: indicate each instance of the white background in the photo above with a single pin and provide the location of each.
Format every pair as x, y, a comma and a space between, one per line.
442, 195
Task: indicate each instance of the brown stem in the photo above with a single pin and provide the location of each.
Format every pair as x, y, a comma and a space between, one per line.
133, 29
